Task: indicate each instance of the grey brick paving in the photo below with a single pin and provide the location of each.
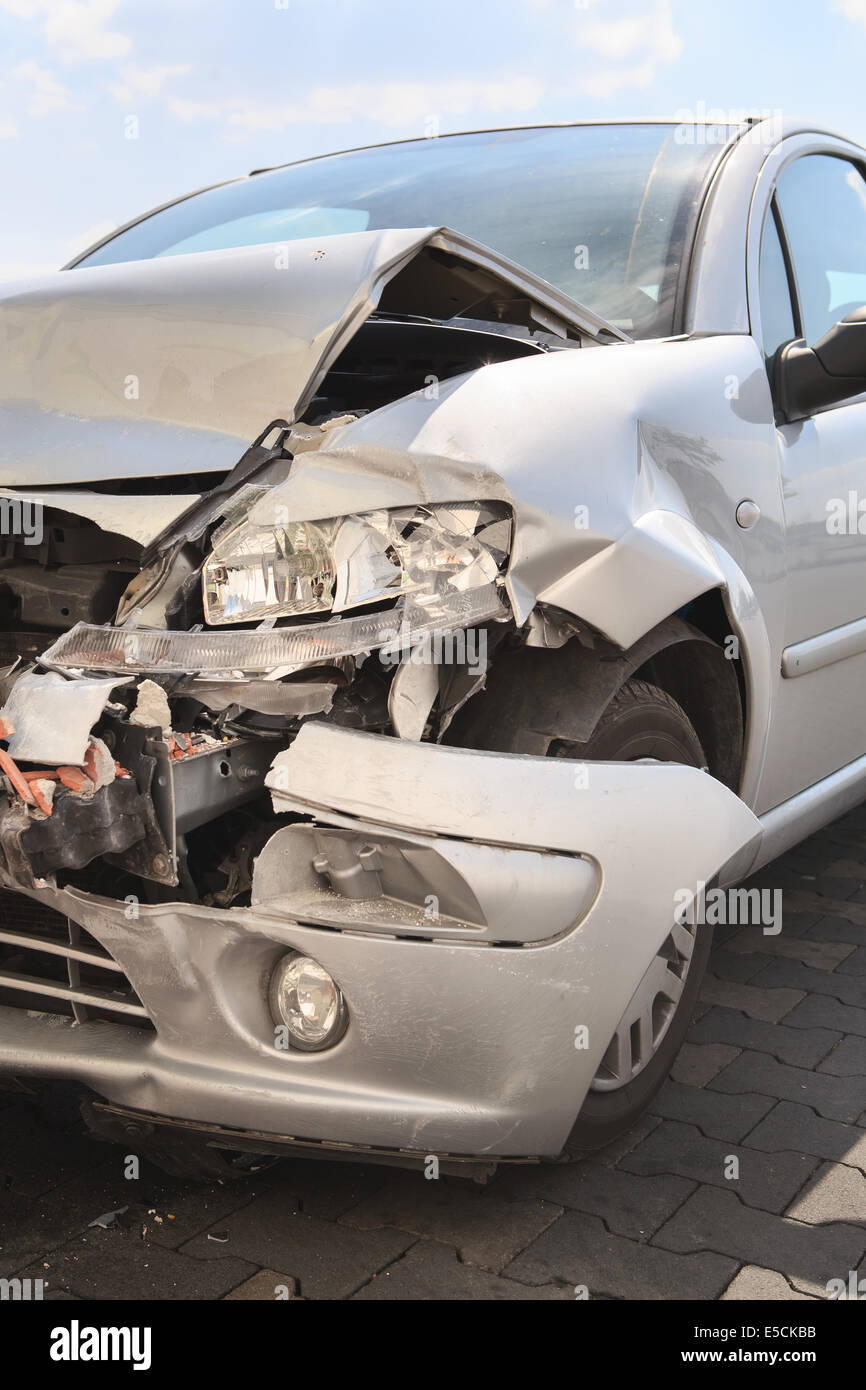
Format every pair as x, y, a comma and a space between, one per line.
802, 1047
755, 1001
719, 1221
789, 974
767, 1180
834, 1097
579, 1250
773, 1074
834, 1193
433, 1271
717, 1115
752, 1282
788, 1125
847, 1059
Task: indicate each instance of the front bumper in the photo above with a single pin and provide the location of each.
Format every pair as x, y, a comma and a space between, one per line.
466, 1045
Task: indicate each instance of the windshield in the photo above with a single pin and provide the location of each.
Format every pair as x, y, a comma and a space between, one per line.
604, 213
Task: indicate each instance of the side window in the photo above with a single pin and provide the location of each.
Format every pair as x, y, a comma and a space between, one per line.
777, 312
822, 201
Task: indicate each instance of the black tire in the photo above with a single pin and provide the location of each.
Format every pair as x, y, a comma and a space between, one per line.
641, 721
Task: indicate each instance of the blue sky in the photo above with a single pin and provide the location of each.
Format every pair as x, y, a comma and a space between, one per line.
108, 107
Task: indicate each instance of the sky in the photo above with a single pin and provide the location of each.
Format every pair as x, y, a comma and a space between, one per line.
110, 107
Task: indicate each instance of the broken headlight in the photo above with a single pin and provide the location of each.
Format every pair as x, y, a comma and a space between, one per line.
280, 568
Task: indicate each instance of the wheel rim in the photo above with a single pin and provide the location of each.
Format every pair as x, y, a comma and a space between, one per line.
650, 1012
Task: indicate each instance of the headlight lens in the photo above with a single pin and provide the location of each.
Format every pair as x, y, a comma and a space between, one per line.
310, 1004
257, 571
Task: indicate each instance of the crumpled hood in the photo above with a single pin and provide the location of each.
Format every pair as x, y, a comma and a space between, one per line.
174, 365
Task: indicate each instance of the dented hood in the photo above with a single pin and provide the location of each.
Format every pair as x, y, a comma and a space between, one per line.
173, 365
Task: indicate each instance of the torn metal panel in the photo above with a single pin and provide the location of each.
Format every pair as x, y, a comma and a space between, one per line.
225, 341
53, 717
140, 518
591, 480
411, 697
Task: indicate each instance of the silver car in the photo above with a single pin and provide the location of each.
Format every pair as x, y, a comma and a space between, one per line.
433, 578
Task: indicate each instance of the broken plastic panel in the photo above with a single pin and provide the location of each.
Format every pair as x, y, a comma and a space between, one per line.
88, 647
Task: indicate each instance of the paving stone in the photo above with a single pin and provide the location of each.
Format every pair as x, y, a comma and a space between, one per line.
715, 1114
836, 929
326, 1259
848, 867
579, 1251
266, 1286
768, 1004
856, 962
848, 1059
168, 1210
834, 1193
796, 1127
611, 1154
324, 1188
31, 1225
768, 1181
39, 1154
432, 1271
486, 1229
802, 1047
845, 908
629, 1206
116, 1264
696, 1065
718, 1221
819, 955
818, 1009
848, 989
735, 969
764, 1285
834, 1097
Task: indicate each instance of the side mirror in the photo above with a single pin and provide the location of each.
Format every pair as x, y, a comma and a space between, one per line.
832, 370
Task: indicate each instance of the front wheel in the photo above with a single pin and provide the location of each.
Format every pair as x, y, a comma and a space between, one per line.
643, 721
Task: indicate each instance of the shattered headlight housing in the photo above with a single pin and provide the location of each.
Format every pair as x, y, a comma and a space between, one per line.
284, 569
412, 571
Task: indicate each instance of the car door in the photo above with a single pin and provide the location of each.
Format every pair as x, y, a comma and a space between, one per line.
813, 273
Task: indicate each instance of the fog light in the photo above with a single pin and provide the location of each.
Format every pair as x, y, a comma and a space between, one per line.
304, 997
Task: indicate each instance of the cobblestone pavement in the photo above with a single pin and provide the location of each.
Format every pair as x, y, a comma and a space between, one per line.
774, 1074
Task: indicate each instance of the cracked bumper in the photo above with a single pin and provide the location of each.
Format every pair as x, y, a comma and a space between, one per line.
463, 1045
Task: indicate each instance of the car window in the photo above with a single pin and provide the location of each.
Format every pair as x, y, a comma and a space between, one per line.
605, 213
777, 312
822, 200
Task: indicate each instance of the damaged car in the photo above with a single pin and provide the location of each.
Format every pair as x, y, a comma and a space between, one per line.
415, 585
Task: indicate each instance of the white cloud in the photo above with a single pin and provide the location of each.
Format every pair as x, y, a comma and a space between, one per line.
47, 95
647, 39
147, 82
390, 103
855, 10
76, 28
9, 130
194, 110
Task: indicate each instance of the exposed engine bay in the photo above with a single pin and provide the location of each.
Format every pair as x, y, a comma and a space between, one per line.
150, 783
